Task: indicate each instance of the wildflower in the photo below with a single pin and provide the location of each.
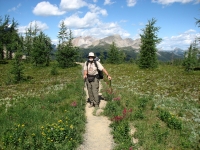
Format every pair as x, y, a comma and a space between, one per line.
62, 129
74, 104
60, 121
116, 98
23, 125
43, 134
124, 112
71, 127
117, 118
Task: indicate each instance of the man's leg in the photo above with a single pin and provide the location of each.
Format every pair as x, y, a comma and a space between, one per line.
95, 91
90, 93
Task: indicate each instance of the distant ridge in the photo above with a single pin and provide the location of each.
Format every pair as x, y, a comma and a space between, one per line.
88, 41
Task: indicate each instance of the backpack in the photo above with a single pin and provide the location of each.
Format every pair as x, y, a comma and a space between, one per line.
100, 73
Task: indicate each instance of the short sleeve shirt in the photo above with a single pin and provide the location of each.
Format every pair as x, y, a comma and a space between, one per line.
92, 69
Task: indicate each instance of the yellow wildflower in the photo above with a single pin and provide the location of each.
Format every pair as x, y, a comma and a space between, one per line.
71, 127
59, 121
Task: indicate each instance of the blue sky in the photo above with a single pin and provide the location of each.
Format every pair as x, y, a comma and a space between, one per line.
101, 18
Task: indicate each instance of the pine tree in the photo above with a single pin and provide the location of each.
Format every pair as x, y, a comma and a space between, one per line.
40, 54
114, 54
8, 37
102, 57
190, 58
149, 39
17, 65
66, 53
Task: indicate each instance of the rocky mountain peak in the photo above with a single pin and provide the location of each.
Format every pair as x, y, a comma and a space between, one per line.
85, 42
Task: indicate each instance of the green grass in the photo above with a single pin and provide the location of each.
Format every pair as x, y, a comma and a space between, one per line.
46, 111
164, 106
43, 112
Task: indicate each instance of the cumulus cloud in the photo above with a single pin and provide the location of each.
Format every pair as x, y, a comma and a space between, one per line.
14, 8
181, 41
168, 2
46, 9
97, 10
108, 2
41, 26
89, 20
131, 3
102, 30
69, 5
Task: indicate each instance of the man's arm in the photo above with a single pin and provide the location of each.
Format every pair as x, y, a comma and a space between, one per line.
105, 71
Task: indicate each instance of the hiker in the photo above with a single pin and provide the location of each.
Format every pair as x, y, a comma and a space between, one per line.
91, 76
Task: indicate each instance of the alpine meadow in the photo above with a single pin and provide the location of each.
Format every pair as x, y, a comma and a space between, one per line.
42, 97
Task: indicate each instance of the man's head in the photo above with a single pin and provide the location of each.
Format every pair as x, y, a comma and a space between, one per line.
91, 56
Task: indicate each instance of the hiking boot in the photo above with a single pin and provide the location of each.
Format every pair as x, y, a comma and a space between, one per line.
91, 105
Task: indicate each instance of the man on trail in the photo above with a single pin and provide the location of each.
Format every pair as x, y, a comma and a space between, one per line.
91, 75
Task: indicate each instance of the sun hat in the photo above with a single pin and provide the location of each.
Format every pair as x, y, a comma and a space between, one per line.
91, 54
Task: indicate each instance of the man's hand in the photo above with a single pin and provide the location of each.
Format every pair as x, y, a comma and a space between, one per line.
84, 76
109, 77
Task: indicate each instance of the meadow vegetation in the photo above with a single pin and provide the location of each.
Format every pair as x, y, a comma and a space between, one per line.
162, 104
43, 112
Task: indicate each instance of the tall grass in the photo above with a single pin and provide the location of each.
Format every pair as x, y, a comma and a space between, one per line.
44, 112
162, 104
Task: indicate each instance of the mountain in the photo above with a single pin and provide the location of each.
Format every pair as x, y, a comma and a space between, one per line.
85, 42
129, 46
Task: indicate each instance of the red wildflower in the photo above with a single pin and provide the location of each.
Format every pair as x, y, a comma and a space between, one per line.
117, 118
74, 104
116, 98
124, 112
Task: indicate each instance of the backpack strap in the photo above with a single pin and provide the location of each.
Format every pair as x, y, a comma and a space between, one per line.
95, 62
87, 67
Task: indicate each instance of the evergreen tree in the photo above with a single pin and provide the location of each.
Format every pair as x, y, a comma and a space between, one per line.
41, 51
102, 57
30, 34
198, 23
114, 54
66, 53
8, 37
17, 65
122, 56
190, 58
149, 39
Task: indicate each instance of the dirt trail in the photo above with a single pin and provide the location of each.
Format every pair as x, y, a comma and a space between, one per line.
97, 135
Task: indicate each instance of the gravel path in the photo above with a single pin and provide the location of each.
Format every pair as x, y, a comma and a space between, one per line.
97, 135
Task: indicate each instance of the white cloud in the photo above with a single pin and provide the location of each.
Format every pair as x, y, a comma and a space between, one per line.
102, 30
46, 9
108, 2
182, 41
95, 1
89, 20
168, 2
97, 10
131, 3
14, 8
72, 4
41, 26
